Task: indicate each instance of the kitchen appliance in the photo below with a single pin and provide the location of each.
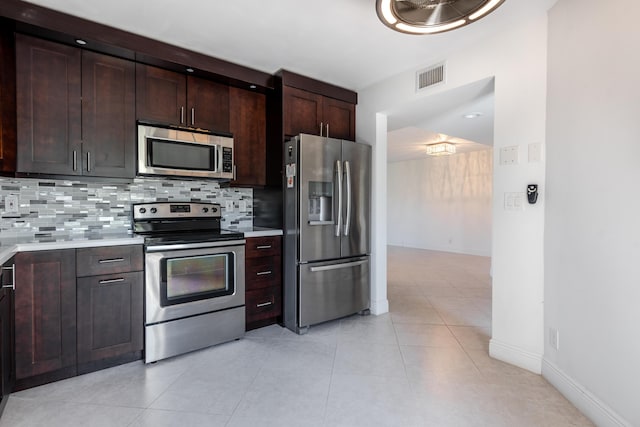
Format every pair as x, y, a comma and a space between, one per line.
194, 278
183, 152
327, 207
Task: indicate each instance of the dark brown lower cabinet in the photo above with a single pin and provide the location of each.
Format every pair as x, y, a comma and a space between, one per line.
263, 275
45, 316
68, 322
7, 371
109, 319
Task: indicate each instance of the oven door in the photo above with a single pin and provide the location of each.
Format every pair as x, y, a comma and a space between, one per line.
182, 282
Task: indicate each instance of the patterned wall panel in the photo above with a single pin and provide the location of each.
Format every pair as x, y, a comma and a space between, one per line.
57, 209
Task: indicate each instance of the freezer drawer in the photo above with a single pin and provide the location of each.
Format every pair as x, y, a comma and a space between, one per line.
329, 290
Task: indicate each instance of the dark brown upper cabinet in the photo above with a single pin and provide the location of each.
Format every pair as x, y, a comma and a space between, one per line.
75, 111
312, 113
7, 99
171, 98
248, 125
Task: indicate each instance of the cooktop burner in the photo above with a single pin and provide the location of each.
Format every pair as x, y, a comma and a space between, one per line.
192, 237
180, 223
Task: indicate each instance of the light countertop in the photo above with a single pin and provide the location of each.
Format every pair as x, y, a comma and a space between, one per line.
8, 247
260, 232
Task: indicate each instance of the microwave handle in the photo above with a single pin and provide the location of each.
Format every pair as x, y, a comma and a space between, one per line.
218, 158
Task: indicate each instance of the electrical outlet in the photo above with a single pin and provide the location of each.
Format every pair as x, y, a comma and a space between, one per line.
228, 205
554, 338
11, 204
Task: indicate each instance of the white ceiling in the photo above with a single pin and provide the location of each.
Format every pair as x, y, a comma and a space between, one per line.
440, 117
338, 41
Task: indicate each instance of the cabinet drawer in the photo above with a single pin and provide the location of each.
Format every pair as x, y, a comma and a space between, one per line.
263, 246
263, 303
263, 272
109, 260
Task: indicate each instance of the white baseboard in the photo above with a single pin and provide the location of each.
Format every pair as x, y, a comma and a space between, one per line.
380, 306
599, 412
455, 250
516, 356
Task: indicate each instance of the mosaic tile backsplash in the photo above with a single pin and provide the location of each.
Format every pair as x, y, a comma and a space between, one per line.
59, 209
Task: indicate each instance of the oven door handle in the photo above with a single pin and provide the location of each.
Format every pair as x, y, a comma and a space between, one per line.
202, 245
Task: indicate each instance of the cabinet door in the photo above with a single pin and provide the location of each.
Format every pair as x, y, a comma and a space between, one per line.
248, 125
208, 104
340, 116
108, 116
110, 319
48, 107
160, 95
45, 312
302, 111
7, 99
6, 346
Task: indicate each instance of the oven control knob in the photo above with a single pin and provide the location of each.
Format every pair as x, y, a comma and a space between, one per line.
214, 210
205, 210
142, 210
154, 210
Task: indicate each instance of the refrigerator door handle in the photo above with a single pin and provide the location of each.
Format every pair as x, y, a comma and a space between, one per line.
337, 266
347, 221
339, 186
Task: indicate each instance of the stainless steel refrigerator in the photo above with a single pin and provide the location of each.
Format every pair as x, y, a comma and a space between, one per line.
327, 205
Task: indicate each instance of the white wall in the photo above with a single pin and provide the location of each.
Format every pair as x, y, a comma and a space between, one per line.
592, 236
517, 60
441, 203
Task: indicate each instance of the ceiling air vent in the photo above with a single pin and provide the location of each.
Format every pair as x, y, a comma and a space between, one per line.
430, 76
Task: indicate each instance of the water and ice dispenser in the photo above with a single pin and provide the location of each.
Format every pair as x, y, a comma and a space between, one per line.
320, 202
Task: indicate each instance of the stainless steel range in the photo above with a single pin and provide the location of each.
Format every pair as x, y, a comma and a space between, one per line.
194, 278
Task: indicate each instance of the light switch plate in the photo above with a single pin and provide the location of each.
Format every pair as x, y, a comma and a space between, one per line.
509, 155
11, 204
535, 152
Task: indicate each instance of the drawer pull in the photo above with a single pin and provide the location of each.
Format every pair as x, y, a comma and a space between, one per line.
106, 282
13, 277
263, 247
107, 261
264, 304
263, 273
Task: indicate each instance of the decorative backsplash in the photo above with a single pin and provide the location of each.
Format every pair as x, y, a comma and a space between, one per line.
59, 209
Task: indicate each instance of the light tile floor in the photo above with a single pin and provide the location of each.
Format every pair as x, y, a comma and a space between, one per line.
425, 363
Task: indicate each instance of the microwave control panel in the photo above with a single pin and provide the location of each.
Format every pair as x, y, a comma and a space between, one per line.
227, 159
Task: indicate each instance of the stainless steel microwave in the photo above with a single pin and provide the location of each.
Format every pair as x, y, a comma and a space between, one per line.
176, 152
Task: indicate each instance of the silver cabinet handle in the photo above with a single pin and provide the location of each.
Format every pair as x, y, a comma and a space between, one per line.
337, 266
321, 124
75, 160
339, 186
13, 277
88, 161
182, 115
263, 247
263, 273
193, 116
264, 304
327, 130
106, 282
107, 261
347, 172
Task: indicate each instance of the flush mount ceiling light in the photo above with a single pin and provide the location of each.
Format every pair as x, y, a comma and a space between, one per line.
432, 16
441, 149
